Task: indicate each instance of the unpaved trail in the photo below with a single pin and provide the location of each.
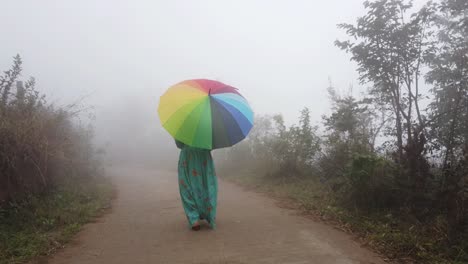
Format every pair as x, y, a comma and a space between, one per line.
147, 225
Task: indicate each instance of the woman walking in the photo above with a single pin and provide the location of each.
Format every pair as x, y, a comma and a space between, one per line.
202, 115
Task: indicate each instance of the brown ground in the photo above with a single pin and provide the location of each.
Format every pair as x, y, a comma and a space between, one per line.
147, 225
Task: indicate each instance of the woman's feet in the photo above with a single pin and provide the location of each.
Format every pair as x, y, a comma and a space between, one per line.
196, 226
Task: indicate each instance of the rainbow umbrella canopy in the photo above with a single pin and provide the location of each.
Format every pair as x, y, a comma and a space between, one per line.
205, 114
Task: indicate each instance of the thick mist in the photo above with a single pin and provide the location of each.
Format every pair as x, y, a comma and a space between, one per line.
122, 55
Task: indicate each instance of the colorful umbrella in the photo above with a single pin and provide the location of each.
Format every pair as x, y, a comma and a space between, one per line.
205, 114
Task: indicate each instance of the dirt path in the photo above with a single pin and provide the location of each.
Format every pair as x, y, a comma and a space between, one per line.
147, 225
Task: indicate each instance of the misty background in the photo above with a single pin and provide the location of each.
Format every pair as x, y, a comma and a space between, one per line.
119, 56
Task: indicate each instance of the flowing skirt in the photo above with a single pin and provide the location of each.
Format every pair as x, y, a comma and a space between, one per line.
198, 185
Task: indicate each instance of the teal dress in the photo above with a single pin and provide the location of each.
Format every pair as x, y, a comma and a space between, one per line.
198, 184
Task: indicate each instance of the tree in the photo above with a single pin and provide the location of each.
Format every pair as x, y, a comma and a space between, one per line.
388, 46
259, 136
294, 148
7, 81
307, 143
351, 129
448, 73
448, 63
282, 146
255, 149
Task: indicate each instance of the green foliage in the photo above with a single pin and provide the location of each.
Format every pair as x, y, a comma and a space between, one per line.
388, 44
39, 224
350, 129
448, 63
447, 60
294, 148
369, 181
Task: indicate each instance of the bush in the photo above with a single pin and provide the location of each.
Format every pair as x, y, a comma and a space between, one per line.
369, 181
39, 143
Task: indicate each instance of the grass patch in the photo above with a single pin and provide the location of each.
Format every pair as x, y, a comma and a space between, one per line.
394, 234
38, 225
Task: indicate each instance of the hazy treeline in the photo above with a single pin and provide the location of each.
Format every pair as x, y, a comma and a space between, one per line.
395, 148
